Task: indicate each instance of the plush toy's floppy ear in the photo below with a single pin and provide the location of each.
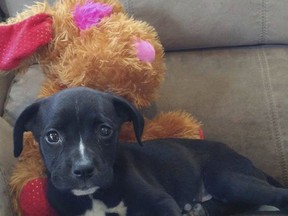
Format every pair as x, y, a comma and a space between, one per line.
129, 113
19, 41
24, 123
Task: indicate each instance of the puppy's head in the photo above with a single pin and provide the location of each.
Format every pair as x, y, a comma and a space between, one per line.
77, 130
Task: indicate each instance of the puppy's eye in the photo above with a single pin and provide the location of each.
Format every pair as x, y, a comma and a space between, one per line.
105, 131
53, 137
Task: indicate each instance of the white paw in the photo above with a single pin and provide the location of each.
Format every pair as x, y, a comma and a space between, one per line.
194, 210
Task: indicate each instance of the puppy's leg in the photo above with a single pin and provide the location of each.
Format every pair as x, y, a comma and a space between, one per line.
143, 195
236, 187
215, 207
145, 199
153, 204
165, 206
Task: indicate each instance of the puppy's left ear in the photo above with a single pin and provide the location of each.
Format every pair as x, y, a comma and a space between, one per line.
127, 112
24, 123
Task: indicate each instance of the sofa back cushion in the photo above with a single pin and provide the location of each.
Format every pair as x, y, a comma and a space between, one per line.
188, 24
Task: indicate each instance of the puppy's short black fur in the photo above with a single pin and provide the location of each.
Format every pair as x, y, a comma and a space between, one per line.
77, 130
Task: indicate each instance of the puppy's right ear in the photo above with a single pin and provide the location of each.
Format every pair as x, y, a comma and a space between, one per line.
129, 113
24, 123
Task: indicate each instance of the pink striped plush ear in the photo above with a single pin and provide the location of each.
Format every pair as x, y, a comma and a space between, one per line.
19, 41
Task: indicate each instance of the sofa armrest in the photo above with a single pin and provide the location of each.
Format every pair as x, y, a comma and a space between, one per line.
6, 162
12, 7
5, 81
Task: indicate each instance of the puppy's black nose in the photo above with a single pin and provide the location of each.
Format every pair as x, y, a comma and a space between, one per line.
83, 169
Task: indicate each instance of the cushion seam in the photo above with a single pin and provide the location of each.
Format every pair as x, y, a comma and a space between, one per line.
273, 114
3, 177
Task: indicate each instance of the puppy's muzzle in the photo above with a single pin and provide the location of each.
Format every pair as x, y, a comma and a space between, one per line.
83, 169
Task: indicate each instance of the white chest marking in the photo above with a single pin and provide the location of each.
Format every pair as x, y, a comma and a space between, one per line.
100, 209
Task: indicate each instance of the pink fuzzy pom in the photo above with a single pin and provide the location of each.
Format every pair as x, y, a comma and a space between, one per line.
90, 14
145, 51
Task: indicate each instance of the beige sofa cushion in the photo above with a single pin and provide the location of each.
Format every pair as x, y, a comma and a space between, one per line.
241, 97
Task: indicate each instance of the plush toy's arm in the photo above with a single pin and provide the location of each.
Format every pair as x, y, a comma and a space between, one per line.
178, 124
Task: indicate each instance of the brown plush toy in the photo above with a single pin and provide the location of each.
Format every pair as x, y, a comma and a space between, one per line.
91, 43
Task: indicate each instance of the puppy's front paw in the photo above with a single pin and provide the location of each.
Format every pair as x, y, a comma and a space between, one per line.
194, 210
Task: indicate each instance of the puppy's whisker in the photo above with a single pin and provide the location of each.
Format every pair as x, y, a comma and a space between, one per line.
99, 146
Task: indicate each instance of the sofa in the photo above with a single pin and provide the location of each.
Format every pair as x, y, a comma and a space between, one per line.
227, 64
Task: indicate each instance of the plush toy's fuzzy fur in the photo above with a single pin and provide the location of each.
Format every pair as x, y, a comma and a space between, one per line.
104, 58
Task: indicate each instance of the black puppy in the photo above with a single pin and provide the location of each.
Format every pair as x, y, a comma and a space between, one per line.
89, 172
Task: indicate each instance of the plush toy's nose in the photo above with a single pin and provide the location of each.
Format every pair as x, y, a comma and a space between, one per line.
83, 169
